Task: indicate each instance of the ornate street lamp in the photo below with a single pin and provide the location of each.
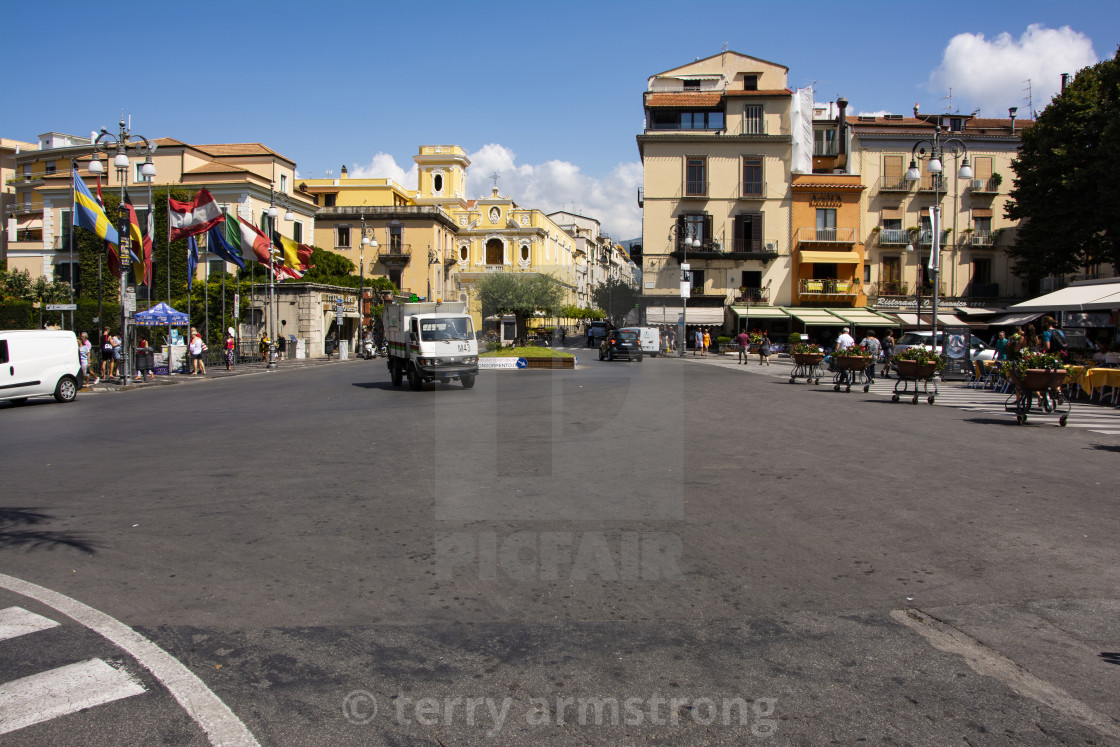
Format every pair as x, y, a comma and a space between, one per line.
370, 241
124, 141
686, 286
937, 149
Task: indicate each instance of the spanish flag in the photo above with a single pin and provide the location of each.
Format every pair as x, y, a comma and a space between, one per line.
89, 213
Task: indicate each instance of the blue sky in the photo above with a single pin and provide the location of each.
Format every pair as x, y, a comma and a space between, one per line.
547, 95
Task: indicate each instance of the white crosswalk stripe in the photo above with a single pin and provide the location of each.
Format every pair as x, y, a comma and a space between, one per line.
16, 621
1094, 418
58, 692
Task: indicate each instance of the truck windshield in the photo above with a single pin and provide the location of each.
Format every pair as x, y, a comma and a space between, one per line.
459, 328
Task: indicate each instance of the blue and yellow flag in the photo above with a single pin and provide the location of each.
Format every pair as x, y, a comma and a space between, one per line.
89, 213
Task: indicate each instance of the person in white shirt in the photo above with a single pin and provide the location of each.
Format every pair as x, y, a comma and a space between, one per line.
845, 340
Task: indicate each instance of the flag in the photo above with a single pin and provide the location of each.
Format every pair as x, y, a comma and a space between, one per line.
289, 249
304, 253
219, 242
136, 243
149, 244
90, 213
192, 260
254, 244
197, 216
108, 247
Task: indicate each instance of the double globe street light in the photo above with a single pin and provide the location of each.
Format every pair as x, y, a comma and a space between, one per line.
938, 147
124, 141
689, 240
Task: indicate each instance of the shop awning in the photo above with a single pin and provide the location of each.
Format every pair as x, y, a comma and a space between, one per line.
1083, 296
704, 315
907, 320
839, 258
1012, 320
860, 317
760, 312
663, 315
814, 317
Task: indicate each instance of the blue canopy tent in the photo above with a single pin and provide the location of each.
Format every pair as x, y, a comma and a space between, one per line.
161, 315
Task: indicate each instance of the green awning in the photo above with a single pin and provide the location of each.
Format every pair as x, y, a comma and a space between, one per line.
760, 312
813, 317
860, 317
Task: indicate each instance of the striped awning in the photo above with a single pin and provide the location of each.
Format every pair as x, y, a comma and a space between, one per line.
760, 312
860, 317
840, 258
812, 317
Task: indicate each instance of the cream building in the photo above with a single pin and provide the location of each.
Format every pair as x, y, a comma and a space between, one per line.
716, 154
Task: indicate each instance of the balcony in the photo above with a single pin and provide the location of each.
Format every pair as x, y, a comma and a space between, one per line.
931, 182
753, 126
926, 237
981, 238
989, 186
893, 237
890, 288
751, 190
695, 190
493, 268
395, 254
893, 184
808, 235
740, 250
750, 296
826, 149
982, 290
827, 287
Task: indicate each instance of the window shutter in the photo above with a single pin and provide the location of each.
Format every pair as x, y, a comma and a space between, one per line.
708, 232
892, 167
756, 233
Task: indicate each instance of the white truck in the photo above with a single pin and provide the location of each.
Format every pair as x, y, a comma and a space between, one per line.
430, 341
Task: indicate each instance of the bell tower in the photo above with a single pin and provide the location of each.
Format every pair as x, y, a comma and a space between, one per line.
441, 175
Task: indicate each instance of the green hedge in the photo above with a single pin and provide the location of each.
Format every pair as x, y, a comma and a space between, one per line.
17, 314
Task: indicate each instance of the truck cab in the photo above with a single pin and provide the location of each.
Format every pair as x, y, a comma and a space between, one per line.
430, 341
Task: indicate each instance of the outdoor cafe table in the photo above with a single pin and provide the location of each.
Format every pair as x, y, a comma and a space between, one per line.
1091, 379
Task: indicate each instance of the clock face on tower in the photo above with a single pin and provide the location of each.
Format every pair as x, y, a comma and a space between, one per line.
495, 214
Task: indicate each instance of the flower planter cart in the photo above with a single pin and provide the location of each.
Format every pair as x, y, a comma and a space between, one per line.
1047, 383
914, 380
806, 366
851, 369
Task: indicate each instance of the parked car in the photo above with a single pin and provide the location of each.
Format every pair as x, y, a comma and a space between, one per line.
980, 351
38, 363
650, 340
598, 331
621, 342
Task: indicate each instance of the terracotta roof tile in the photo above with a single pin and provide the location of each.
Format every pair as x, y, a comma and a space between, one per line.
683, 98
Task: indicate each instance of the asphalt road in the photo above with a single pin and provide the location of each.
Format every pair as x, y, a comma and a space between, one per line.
726, 558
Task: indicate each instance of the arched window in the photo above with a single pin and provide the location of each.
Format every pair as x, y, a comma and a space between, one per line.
495, 254
524, 252
437, 182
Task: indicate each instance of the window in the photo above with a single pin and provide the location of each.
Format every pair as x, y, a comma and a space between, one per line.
284, 183
955, 124
395, 237
437, 183
696, 282
867, 272
982, 271
982, 226
495, 252
524, 252
661, 119
697, 226
747, 233
51, 166
297, 232
342, 236
750, 82
752, 176
752, 280
824, 142
329, 199
464, 253
3, 351
890, 276
826, 224
692, 85
752, 120
696, 176
138, 176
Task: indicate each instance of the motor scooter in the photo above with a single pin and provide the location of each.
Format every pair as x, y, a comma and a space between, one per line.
369, 350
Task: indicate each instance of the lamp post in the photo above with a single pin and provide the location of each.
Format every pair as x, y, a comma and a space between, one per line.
686, 286
124, 141
433, 259
272, 254
937, 148
371, 242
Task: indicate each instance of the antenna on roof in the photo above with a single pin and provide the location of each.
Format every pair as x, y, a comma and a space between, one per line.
1030, 99
949, 98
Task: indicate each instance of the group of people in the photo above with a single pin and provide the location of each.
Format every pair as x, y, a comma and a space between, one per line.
880, 351
764, 345
1029, 340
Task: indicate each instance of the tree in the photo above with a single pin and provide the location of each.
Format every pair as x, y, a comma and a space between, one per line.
519, 294
616, 298
1066, 188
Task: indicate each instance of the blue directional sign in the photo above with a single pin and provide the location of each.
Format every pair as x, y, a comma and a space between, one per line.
522, 363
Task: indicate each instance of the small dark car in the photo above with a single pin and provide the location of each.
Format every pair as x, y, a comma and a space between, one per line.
621, 343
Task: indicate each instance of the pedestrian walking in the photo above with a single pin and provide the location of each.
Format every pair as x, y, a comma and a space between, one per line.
230, 342
84, 349
707, 341
1000, 346
590, 335
764, 350
197, 347
106, 354
116, 342
843, 342
744, 341
281, 347
888, 353
697, 341
871, 342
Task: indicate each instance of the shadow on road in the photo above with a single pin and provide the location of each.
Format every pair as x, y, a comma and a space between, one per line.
15, 531
1114, 448
993, 421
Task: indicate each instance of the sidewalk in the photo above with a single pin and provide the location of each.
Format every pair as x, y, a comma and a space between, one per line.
216, 372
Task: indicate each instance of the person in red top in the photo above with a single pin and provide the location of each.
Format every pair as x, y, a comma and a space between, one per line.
744, 341
229, 349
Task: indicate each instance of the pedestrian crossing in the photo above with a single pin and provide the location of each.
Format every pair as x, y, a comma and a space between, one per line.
57, 692
1094, 418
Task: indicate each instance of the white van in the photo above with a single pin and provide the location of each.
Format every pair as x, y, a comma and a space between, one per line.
650, 339
38, 363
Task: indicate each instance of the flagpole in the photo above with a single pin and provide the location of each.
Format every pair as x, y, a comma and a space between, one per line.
169, 278
206, 292
73, 169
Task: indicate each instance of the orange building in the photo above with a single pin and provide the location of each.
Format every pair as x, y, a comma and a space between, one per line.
828, 256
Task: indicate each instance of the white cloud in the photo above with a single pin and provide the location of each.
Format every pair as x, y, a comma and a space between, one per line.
992, 74
549, 186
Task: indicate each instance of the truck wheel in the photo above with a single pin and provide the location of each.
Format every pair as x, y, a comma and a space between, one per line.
468, 380
415, 383
395, 371
67, 389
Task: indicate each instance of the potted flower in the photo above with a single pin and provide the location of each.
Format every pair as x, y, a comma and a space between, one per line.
1035, 372
853, 358
804, 354
918, 362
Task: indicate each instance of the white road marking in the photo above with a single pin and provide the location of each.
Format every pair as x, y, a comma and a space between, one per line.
58, 692
16, 621
216, 719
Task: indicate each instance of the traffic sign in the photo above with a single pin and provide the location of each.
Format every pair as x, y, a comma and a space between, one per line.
62, 307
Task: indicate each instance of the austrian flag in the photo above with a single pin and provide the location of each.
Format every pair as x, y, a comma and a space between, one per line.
189, 218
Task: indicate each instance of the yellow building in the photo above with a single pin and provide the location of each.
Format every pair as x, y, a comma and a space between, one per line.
433, 241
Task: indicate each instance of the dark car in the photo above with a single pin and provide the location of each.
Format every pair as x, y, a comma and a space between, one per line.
621, 343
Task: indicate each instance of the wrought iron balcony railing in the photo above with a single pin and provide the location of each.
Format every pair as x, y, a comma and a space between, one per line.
808, 234
827, 287
893, 184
